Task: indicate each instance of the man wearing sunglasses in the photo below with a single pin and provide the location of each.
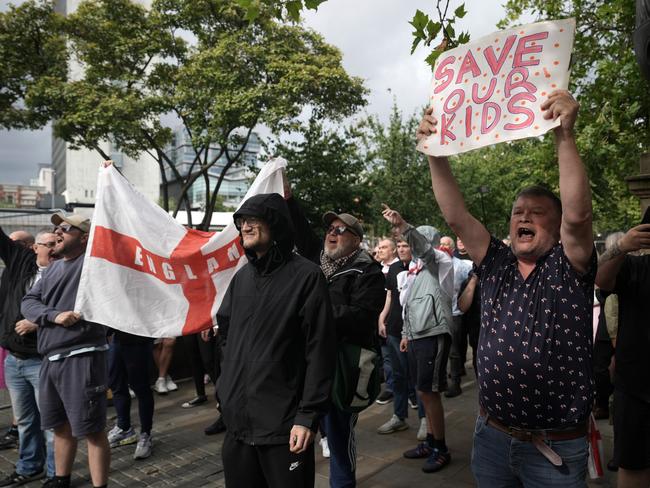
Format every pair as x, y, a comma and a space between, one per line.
356, 287
278, 353
74, 370
25, 259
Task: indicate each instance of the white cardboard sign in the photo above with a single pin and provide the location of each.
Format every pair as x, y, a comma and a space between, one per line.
490, 90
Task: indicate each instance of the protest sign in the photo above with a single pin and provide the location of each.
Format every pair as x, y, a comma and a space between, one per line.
146, 274
491, 90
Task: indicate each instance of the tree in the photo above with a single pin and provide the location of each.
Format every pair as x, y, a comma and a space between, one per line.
614, 121
235, 74
327, 172
32, 53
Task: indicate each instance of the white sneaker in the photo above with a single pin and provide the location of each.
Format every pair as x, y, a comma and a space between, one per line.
171, 386
422, 431
160, 386
325, 447
144, 448
118, 437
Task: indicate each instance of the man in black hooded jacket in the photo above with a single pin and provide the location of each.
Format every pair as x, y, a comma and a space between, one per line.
278, 353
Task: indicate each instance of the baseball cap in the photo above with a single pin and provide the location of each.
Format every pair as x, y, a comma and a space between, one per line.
350, 221
77, 220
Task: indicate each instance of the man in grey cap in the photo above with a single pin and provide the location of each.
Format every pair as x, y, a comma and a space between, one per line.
73, 373
356, 287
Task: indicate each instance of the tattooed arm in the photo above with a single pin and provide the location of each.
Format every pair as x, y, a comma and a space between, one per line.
611, 260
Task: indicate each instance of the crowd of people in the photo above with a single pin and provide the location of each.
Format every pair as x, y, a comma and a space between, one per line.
307, 327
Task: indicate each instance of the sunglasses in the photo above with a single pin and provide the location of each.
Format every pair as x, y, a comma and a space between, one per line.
65, 227
251, 221
336, 229
49, 245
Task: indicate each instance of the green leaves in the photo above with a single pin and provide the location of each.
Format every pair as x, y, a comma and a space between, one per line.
427, 30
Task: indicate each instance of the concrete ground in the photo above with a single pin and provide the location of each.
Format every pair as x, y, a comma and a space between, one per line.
185, 457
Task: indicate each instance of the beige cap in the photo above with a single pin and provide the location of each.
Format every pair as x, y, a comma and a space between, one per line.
76, 220
350, 221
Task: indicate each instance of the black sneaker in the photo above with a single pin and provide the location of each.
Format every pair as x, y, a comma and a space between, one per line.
15, 479
216, 428
10, 439
438, 460
453, 390
423, 450
56, 483
385, 397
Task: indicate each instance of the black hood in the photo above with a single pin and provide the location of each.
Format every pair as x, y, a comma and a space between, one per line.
271, 208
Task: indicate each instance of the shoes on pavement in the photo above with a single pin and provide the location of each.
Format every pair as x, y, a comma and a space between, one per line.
601, 413
395, 424
423, 450
144, 448
198, 400
422, 431
118, 437
55, 482
15, 479
453, 390
169, 383
160, 386
10, 439
436, 461
325, 447
385, 397
413, 403
216, 428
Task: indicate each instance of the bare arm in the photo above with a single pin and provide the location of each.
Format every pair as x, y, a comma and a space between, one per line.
611, 260
450, 199
381, 326
576, 230
465, 299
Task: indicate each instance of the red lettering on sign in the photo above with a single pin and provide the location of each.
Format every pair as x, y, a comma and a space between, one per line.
490, 91
523, 49
444, 128
494, 62
485, 126
514, 109
512, 83
449, 106
443, 72
468, 64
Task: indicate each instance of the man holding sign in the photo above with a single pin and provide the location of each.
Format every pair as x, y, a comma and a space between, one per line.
534, 353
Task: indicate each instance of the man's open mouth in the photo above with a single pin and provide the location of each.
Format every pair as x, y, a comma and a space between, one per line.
524, 233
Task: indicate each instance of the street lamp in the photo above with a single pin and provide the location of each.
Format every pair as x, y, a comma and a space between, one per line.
52, 190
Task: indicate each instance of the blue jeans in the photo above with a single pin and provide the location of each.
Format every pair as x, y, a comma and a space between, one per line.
388, 367
402, 385
22, 376
500, 461
339, 426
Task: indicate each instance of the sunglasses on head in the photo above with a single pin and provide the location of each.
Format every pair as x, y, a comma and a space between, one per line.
336, 229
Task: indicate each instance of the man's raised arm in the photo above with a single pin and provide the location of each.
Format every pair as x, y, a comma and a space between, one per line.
450, 200
576, 230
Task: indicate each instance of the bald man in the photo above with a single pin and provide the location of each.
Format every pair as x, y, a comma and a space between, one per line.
25, 258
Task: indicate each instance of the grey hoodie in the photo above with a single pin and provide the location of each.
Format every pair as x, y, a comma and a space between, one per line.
427, 311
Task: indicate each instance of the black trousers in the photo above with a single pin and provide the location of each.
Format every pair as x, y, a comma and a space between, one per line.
266, 466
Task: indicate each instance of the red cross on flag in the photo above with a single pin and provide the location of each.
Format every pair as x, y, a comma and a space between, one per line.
146, 274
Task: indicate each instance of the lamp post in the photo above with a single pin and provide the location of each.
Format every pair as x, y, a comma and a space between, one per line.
52, 190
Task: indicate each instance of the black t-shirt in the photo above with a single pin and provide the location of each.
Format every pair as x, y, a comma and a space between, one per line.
394, 319
633, 338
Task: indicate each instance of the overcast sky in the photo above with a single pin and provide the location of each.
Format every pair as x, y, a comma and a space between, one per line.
374, 37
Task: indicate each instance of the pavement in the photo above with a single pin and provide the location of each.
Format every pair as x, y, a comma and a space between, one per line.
184, 457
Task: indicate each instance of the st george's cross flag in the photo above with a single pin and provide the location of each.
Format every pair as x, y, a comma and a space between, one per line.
146, 274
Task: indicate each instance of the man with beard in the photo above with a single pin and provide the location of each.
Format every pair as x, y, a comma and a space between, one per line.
24, 267
356, 288
278, 354
534, 361
73, 374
